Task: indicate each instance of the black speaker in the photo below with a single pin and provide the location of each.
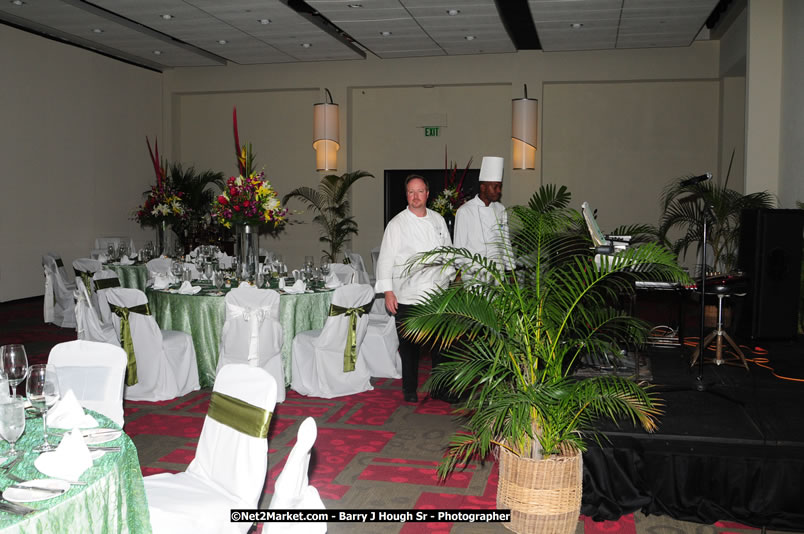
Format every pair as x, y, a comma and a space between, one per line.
770, 255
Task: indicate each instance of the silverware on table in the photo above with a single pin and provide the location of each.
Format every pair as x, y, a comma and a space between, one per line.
102, 448
43, 489
14, 508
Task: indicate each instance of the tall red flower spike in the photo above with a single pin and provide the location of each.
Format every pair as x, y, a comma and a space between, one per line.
160, 172
240, 165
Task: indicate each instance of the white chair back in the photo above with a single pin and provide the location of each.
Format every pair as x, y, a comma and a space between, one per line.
333, 335
252, 333
95, 372
99, 299
345, 273
359, 266
59, 304
87, 317
234, 461
375, 256
293, 490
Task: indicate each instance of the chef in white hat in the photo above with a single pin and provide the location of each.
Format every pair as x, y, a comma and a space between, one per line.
481, 224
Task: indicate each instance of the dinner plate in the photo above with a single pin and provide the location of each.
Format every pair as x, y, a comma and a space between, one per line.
33, 495
95, 436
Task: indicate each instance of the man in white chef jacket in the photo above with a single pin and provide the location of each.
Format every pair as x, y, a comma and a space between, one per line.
481, 224
415, 229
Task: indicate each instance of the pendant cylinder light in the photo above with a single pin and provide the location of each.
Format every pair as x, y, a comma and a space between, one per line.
325, 134
525, 125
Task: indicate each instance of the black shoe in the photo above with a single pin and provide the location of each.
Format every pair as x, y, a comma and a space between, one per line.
411, 397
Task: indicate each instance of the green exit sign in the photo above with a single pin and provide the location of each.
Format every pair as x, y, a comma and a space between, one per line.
431, 131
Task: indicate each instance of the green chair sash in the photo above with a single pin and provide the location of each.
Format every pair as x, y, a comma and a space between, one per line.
350, 352
125, 337
239, 415
106, 283
87, 279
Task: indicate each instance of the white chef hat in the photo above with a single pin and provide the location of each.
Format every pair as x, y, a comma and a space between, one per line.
491, 169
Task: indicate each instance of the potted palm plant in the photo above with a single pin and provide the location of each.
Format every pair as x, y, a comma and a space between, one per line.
512, 343
331, 204
198, 190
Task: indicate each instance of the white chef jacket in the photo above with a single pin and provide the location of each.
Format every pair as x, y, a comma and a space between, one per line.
406, 235
484, 230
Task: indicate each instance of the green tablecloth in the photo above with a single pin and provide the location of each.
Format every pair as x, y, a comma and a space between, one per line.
130, 275
112, 501
202, 316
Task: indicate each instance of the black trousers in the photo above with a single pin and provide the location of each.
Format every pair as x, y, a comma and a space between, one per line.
409, 353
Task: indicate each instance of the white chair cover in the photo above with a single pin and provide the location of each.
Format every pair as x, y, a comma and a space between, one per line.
228, 470
375, 256
359, 266
99, 299
159, 267
317, 357
87, 317
86, 265
345, 273
252, 333
293, 490
59, 307
166, 363
380, 347
95, 372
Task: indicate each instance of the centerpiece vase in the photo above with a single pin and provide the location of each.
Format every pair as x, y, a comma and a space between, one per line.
248, 251
162, 232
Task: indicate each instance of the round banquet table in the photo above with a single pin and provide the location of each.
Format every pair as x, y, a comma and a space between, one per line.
202, 316
112, 501
134, 276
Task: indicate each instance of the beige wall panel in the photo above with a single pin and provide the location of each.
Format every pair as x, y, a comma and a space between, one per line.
617, 145
74, 156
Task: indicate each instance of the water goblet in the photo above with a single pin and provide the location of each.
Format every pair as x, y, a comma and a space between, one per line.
15, 364
42, 389
12, 421
122, 250
110, 251
325, 266
219, 279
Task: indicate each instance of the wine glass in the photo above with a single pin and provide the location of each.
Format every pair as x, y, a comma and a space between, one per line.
110, 251
12, 421
324, 266
219, 279
15, 364
43, 392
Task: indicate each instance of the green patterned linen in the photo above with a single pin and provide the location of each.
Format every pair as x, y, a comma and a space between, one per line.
112, 501
202, 316
130, 275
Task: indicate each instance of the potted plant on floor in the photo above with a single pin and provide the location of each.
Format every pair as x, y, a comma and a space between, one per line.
512, 343
331, 204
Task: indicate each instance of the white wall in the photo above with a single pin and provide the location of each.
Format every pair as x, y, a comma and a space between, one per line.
791, 174
73, 150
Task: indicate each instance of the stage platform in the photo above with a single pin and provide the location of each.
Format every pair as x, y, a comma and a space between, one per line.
729, 447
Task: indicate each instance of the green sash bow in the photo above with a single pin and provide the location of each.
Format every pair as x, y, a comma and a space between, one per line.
350, 352
86, 277
125, 337
106, 283
239, 415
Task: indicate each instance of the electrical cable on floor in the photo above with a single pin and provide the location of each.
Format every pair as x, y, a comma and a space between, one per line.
760, 361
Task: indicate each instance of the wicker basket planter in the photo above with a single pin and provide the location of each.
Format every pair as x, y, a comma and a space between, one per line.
544, 496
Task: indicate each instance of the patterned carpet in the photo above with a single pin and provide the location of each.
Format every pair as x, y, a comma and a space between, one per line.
372, 452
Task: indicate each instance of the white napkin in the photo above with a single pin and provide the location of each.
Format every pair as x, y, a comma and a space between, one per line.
282, 283
68, 413
332, 281
187, 288
103, 258
70, 459
298, 287
126, 261
161, 281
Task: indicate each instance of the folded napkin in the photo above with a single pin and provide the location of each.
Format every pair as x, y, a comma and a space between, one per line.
126, 261
68, 413
103, 258
187, 288
161, 281
332, 281
298, 287
70, 459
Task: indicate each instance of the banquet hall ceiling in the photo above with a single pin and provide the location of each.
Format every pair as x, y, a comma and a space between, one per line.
163, 34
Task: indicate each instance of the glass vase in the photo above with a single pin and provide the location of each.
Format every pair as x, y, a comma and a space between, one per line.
248, 251
162, 233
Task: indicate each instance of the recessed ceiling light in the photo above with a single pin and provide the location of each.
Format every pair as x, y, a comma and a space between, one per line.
97, 30
470, 37
306, 45
167, 16
222, 41
264, 21
353, 6
453, 12
157, 52
385, 33
576, 25
18, 2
